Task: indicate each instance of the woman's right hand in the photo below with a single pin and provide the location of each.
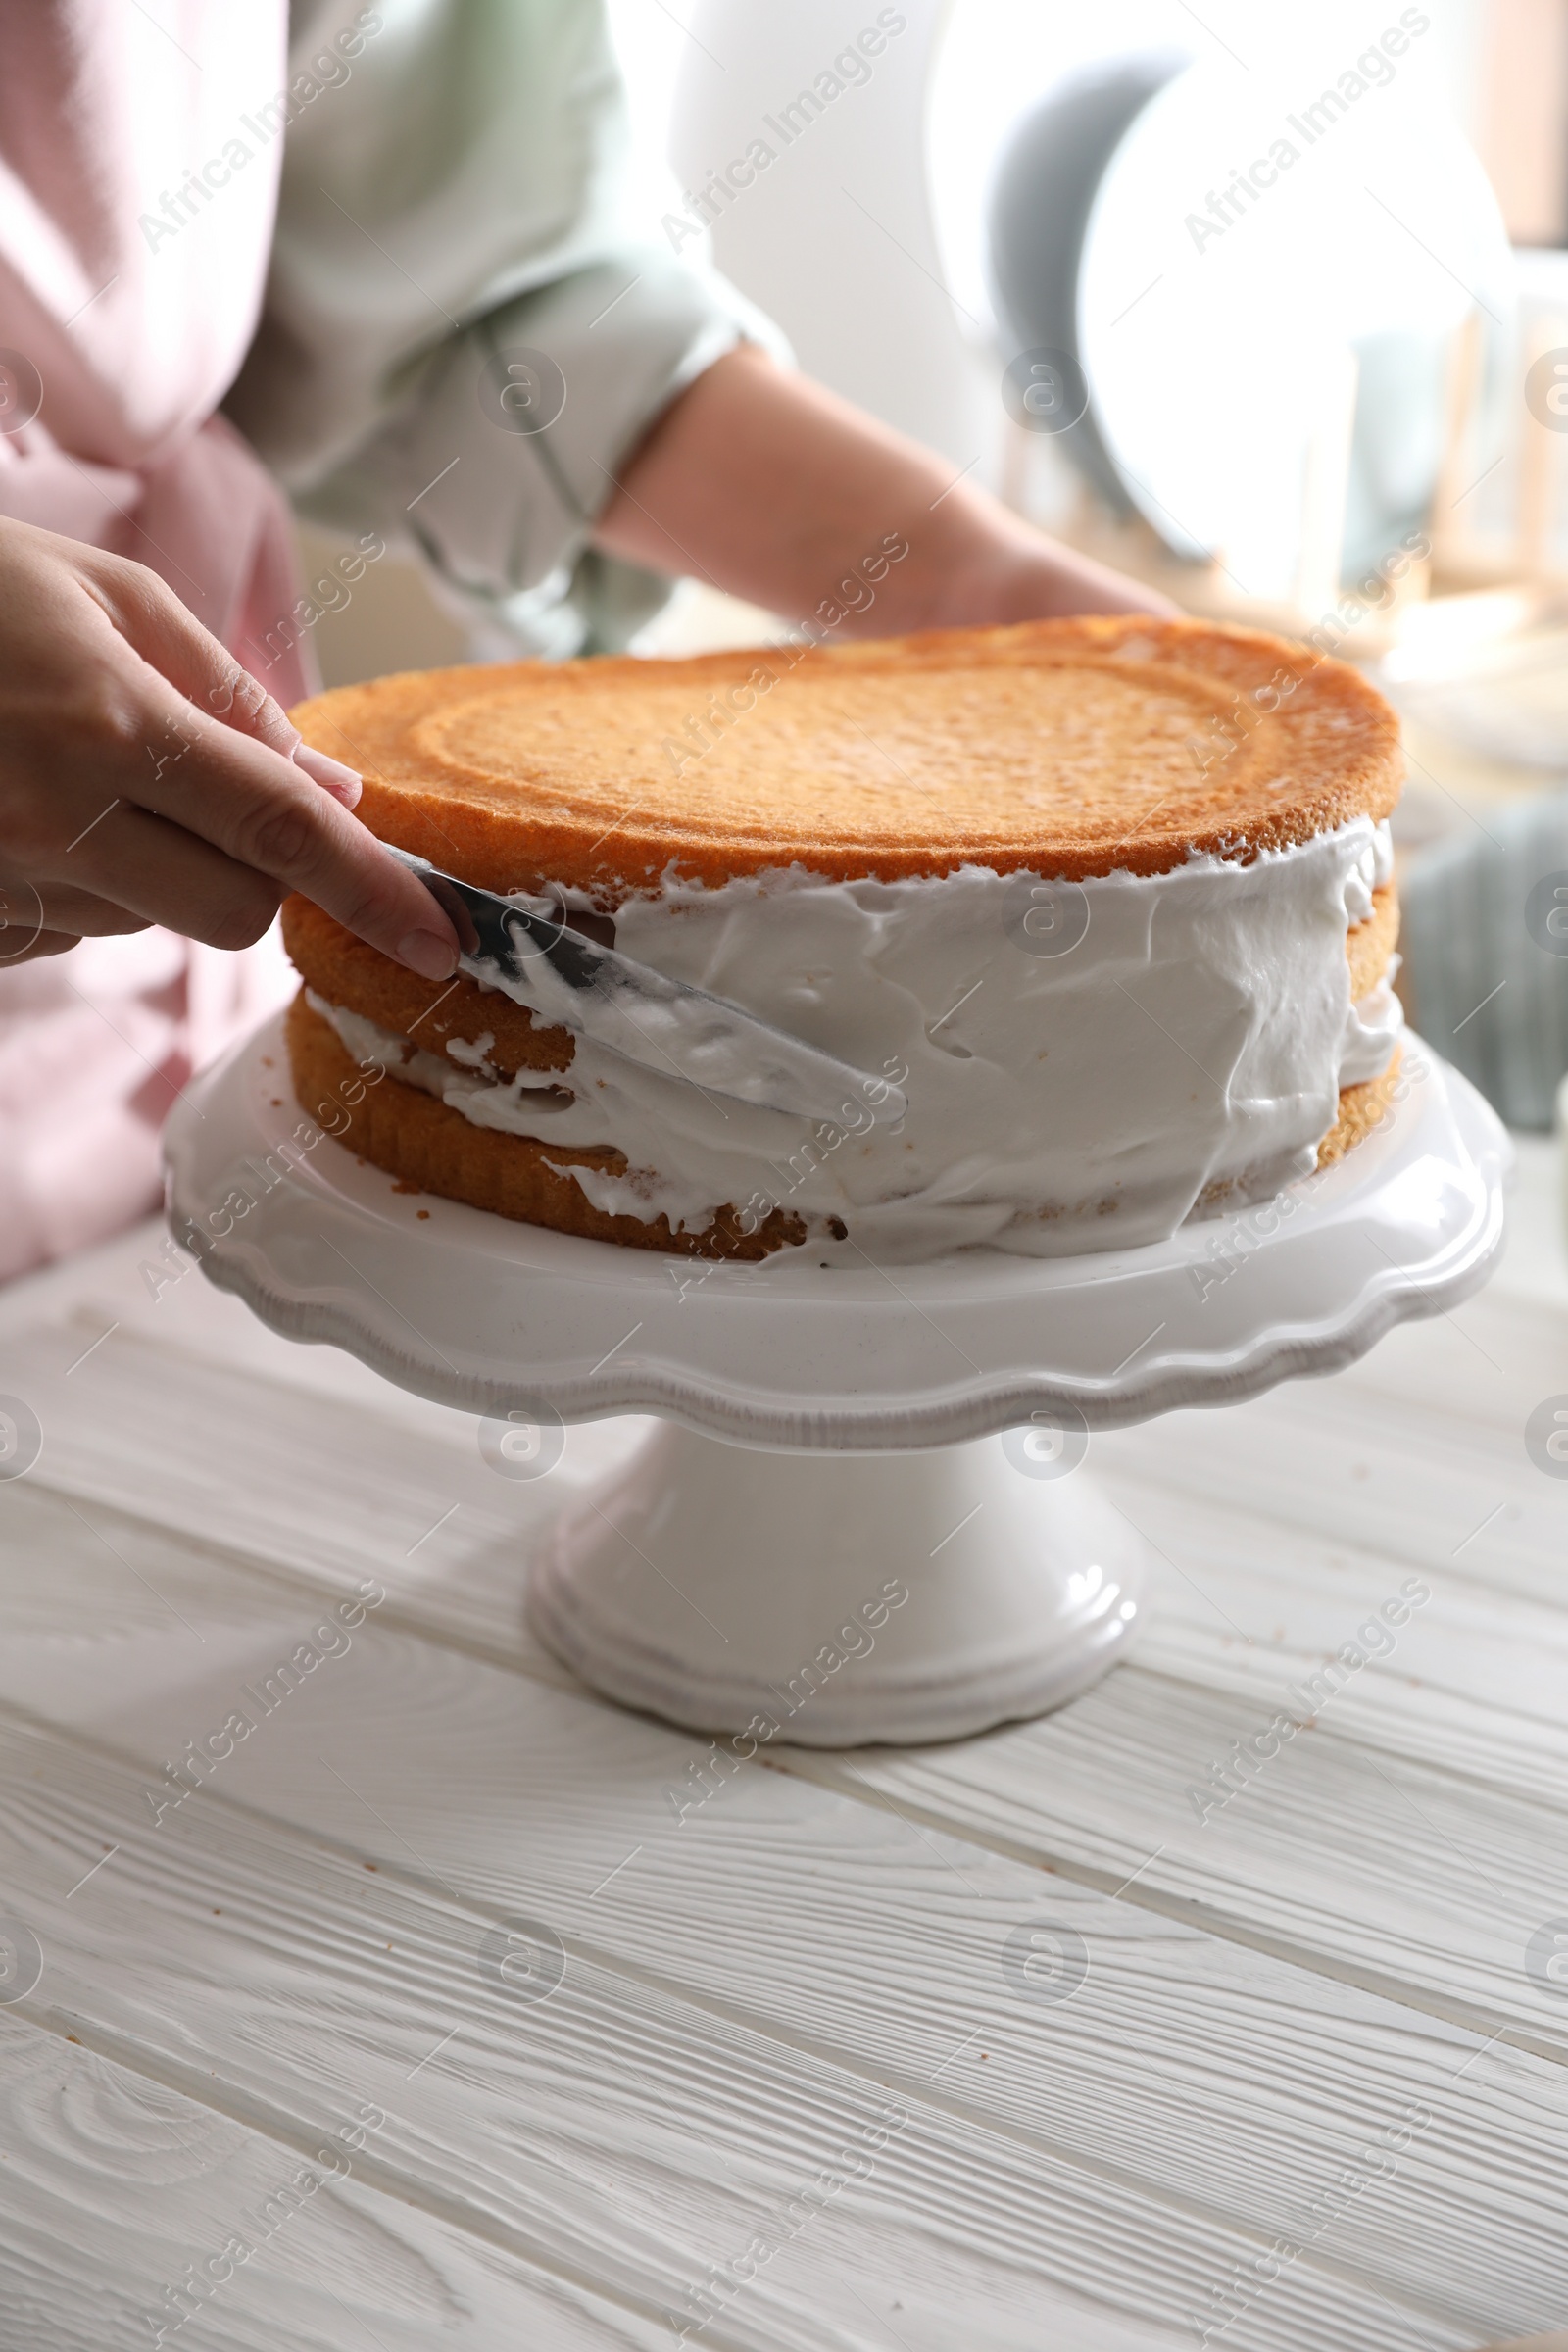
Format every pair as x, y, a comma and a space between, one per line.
145, 777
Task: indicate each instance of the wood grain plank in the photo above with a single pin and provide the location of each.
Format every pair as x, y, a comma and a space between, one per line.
196, 1447
117, 2190
1395, 1876
1473, 1682
1439, 1491
612, 2132
1206, 2076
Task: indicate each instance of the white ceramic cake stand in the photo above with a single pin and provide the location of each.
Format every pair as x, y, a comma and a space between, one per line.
829, 1537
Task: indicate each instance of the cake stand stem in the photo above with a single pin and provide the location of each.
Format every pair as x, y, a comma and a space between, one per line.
839, 1599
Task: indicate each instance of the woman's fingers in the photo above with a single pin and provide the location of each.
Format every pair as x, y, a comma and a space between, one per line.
140, 765
173, 641
161, 873
343, 783
151, 618
42, 944
264, 814
32, 927
83, 914
153, 623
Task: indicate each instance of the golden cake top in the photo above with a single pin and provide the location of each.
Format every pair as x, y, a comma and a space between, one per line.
1064, 748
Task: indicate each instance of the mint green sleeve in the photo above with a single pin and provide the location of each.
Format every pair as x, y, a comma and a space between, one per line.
466, 330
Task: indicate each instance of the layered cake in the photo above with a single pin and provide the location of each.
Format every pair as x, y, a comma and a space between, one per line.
1103, 909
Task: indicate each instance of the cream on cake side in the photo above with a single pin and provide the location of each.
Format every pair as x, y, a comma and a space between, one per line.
1185, 1054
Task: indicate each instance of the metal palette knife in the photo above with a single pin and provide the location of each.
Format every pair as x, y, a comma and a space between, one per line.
664, 1025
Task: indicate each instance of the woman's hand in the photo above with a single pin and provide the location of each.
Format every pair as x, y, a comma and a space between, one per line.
145, 777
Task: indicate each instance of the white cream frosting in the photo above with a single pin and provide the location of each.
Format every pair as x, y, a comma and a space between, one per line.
1184, 1057
1372, 1029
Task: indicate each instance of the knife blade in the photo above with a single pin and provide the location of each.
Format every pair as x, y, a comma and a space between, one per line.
524, 947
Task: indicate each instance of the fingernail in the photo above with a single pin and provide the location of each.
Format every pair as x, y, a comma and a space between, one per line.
341, 782
427, 955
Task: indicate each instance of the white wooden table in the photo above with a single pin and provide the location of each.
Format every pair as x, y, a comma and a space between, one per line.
795, 2086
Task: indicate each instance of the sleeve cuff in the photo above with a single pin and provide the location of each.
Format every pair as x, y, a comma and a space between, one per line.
509, 439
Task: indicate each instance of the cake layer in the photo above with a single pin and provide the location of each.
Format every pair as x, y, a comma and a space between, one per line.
1070, 749
1369, 946
437, 1015
1361, 1108
432, 1147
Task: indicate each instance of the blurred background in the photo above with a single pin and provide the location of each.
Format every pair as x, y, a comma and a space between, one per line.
1275, 316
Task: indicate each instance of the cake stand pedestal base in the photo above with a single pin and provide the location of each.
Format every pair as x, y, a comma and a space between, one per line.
823, 1534
836, 1600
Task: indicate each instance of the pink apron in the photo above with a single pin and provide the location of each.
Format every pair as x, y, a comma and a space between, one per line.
112, 127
